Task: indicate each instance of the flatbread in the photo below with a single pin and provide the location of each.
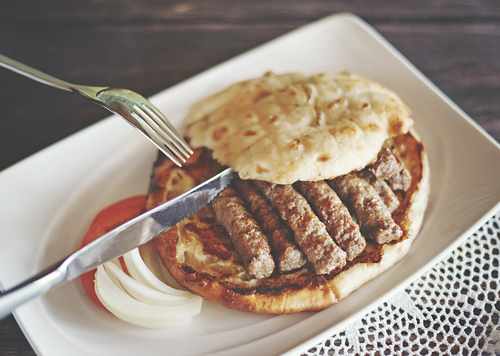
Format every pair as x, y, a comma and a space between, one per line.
290, 127
283, 129
200, 256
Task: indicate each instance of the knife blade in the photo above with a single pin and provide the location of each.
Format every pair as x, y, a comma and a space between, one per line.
117, 242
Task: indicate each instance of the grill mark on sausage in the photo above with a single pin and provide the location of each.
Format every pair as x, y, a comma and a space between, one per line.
383, 189
245, 233
286, 253
310, 233
374, 218
335, 215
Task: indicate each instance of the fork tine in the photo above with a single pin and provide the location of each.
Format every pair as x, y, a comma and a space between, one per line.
165, 136
162, 121
157, 140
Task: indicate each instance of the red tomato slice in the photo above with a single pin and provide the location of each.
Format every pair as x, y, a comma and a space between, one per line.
108, 219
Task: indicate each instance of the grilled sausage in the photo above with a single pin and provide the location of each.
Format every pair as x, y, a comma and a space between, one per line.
374, 218
309, 232
285, 251
335, 215
245, 233
388, 166
383, 189
401, 180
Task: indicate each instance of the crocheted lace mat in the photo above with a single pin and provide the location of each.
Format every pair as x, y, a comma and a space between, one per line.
453, 309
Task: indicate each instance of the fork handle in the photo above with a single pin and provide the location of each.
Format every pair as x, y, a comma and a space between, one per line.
44, 78
34, 74
32, 288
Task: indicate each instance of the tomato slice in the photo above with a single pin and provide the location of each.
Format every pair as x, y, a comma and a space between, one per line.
108, 219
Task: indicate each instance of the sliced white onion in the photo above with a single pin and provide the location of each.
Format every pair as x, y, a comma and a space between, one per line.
141, 273
141, 298
150, 259
135, 312
139, 290
154, 263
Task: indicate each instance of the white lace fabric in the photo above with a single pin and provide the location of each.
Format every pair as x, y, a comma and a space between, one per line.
453, 309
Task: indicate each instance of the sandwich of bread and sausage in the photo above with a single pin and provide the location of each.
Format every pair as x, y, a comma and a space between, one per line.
331, 188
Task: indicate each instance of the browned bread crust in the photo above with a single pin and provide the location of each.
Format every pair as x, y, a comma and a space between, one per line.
200, 256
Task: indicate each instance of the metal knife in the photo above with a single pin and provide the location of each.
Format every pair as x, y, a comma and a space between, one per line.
115, 243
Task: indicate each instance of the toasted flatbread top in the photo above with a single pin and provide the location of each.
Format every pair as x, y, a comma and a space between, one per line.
291, 127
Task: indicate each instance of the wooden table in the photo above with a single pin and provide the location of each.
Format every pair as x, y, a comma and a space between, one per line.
148, 46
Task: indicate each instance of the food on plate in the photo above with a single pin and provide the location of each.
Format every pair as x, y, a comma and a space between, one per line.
332, 186
106, 220
133, 287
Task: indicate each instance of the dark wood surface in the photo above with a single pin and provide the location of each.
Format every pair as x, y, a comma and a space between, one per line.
148, 46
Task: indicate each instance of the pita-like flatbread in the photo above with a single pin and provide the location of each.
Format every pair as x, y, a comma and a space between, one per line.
285, 128
200, 255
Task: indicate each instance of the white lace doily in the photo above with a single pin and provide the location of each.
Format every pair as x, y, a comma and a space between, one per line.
453, 309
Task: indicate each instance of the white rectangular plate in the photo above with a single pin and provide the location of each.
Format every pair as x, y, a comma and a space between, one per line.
49, 199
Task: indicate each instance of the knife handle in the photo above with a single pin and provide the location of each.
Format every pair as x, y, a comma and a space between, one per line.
32, 288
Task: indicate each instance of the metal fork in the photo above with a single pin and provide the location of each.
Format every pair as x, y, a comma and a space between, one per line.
133, 107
